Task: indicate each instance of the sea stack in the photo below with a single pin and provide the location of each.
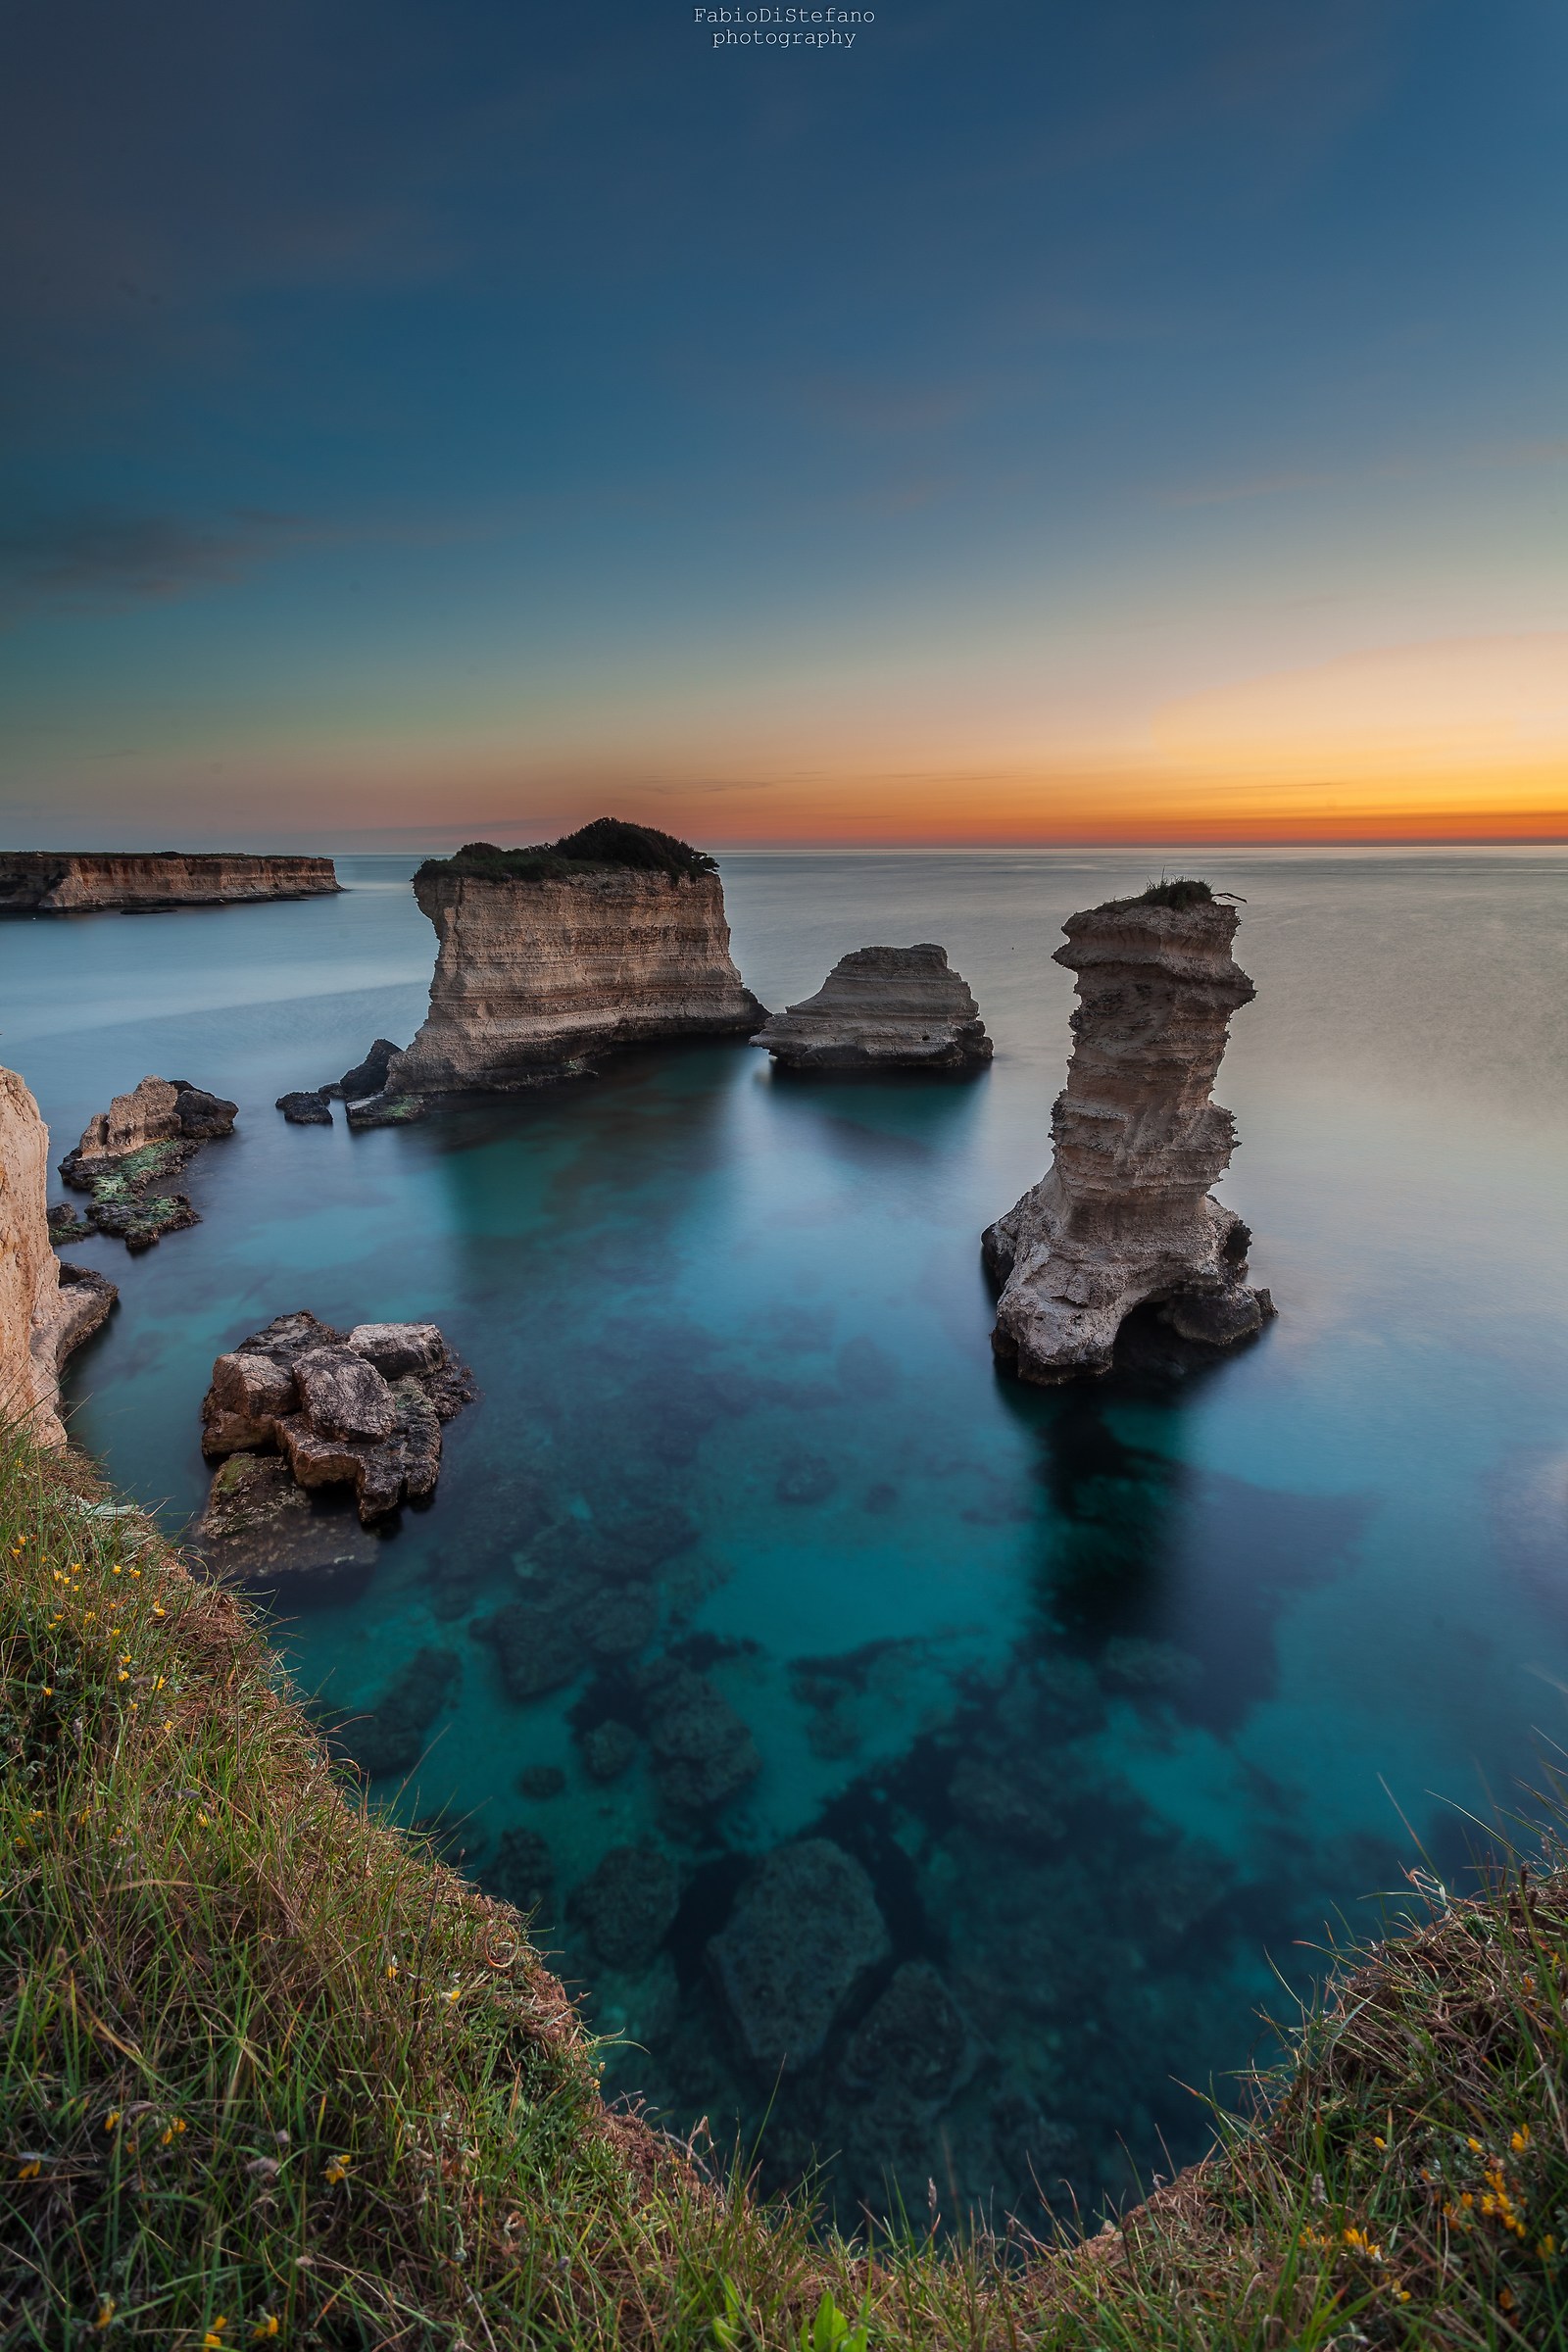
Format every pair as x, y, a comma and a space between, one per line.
1123, 1216
882, 1009
146, 881
46, 1309
549, 957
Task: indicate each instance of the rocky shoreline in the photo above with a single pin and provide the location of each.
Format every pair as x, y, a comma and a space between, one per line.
151, 881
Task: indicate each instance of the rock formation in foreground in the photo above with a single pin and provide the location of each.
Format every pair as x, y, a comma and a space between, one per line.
127, 1155
361, 1408
882, 1009
551, 957
1123, 1216
46, 1309
142, 882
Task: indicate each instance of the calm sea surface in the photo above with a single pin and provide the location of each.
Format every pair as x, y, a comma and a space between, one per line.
1119, 1694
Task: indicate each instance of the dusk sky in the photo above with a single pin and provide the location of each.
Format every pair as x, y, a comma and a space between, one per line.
1146, 421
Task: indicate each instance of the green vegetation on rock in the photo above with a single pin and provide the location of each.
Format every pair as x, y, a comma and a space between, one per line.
270, 2073
607, 842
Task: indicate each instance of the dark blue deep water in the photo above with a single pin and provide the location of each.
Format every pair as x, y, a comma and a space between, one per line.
1117, 1694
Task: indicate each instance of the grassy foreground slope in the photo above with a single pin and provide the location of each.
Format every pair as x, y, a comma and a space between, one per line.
271, 2074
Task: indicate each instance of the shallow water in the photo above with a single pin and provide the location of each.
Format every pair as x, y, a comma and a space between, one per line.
1116, 1693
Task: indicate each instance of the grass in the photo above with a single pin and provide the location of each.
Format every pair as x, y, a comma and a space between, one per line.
271, 2072
607, 842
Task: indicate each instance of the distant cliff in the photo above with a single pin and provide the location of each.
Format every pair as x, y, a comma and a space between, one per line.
133, 881
45, 1309
551, 957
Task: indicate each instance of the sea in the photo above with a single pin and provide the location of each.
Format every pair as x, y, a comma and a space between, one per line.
1025, 1756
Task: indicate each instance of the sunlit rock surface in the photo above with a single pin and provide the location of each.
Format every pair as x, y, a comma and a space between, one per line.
1123, 1215
550, 958
882, 1009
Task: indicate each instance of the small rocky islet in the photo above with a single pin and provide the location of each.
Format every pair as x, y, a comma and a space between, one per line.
128, 1156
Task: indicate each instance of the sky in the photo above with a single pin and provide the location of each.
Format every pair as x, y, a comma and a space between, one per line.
1143, 422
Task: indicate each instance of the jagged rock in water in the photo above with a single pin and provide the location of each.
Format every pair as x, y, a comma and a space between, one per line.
551, 957
47, 1308
885, 1008
1123, 1216
307, 1109
129, 1154
367, 1077
361, 1409
97, 881
802, 1938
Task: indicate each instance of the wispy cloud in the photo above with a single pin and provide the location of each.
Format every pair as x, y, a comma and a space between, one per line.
105, 554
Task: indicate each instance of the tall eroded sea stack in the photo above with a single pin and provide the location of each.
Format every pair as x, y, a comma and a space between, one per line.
1122, 1217
551, 957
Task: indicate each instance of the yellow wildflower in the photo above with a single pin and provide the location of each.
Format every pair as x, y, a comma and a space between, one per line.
106, 2312
265, 2328
1520, 2141
111, 2118
337, 2170
31, 2170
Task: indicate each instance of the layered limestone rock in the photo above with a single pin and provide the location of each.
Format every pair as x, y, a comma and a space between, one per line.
882, 1009
131, 882
550, 958
361, 1409
46, 1309
130, 1152
1123, 1216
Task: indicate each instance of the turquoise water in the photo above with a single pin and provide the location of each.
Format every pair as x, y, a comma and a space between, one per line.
1116, 1693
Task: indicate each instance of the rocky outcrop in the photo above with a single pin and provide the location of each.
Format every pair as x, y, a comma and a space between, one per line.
306, 1107
132, 882
550, 958
1123, 1216
128, 1154
46, 1309
367, 1077
361, 1408
886, 1009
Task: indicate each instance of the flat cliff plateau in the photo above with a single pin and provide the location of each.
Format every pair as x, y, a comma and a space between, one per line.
1123, 1218
550, 958
143, 882
45, 1309
890, 1009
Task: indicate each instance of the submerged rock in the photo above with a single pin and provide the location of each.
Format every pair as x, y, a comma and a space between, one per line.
391, 1735
259, 1528
1124, 1216
608, 1750
627, 1905
882, 1009
307, 1109
322, 1397
522, 1872
703, 1752
913, 2040
551, 957
130, 1152
802, 1938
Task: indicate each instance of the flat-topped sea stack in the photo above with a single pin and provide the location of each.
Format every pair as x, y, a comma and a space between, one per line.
145, 882
882, 1009
550, 958
1123, 1218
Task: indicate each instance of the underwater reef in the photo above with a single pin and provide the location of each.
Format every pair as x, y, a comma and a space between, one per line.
273, 2072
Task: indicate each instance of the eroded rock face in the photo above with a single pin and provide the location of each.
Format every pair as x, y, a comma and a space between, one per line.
802, 1937
882, 1009
46, 1309
551, 960
1123, 1216
361, 1409
94, 881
